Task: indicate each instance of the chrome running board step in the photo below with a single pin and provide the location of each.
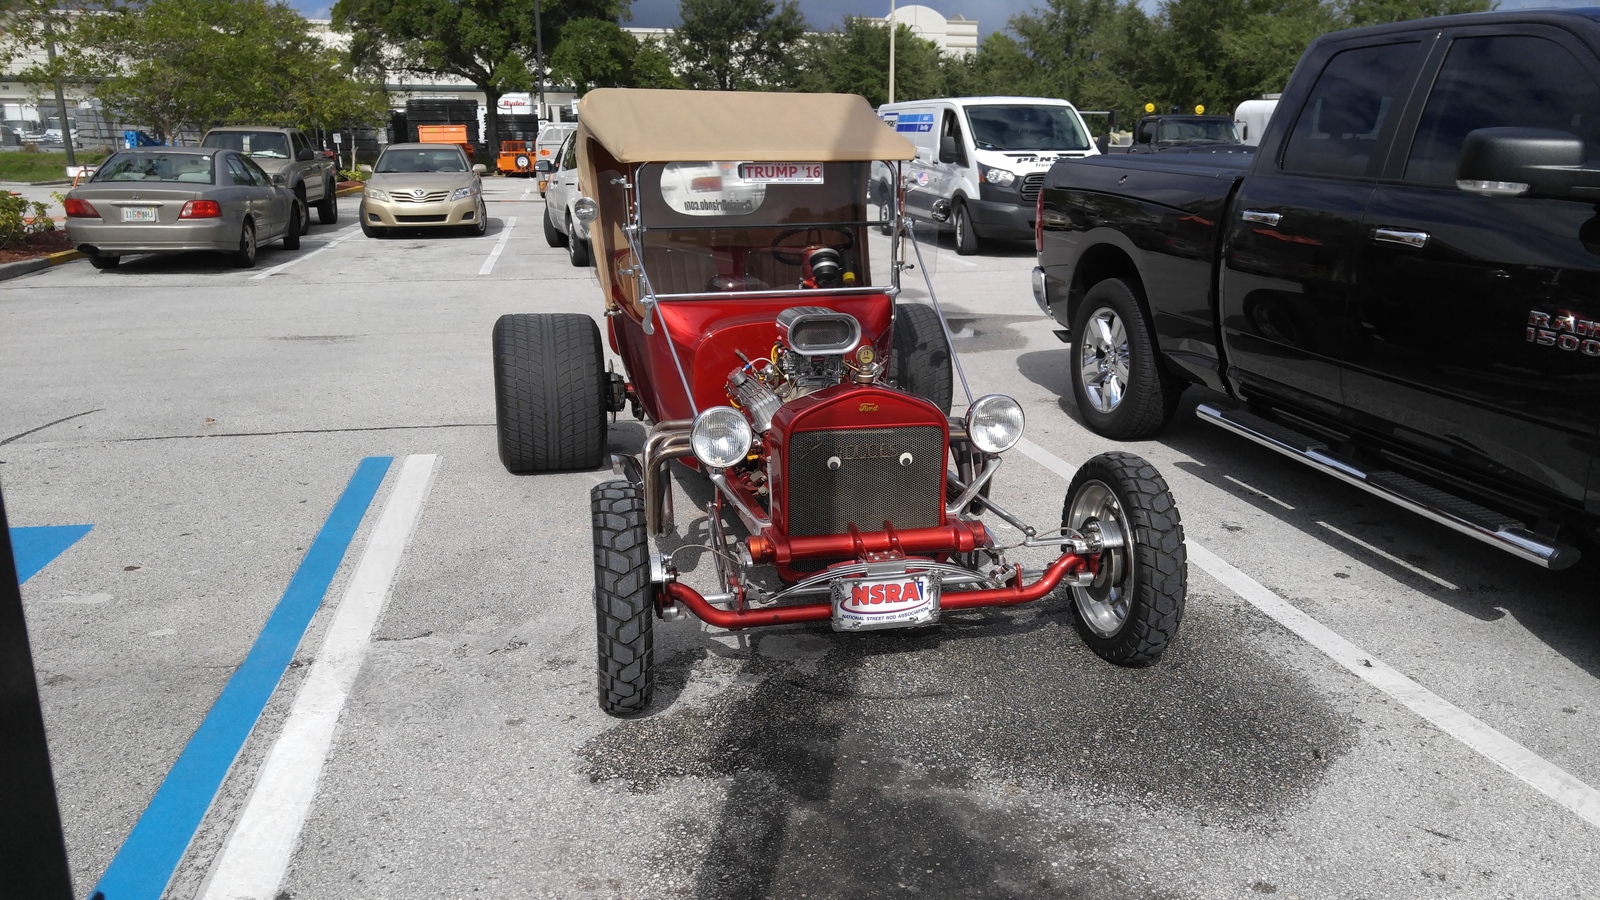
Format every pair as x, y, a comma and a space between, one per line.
1447, 509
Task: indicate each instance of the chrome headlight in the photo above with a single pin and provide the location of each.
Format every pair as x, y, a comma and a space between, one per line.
720, 437
463, 193
373, 193
994, 423
999, 176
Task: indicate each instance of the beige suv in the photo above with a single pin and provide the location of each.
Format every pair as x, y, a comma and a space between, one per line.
312, 176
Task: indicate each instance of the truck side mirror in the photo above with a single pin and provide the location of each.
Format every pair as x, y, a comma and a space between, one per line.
1102, 142
1526, 162
306, 154
542, 166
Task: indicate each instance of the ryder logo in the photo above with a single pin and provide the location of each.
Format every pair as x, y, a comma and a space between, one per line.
885, 598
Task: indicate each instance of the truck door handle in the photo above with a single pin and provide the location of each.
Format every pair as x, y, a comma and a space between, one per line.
1260, 217
1400, 236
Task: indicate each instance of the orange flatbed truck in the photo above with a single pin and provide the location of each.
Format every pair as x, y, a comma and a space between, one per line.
445, 134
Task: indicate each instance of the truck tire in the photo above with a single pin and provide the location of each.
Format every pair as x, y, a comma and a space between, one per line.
297, 218
624, 613
1117, 381
549, 392
1130, 613
245, 256
552, 234
920, 362
328, 208
577, 247
300, 198
966, 237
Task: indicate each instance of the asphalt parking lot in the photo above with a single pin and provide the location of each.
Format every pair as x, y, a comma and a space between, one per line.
1359, 704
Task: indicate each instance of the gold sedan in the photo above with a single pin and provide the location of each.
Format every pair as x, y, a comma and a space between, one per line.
423, 186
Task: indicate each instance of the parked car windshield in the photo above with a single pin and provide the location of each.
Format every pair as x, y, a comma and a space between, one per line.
447, 159
264, 144
1025, 127
156, 166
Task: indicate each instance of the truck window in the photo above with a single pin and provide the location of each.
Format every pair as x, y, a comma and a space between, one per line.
265, 144
1504, 80
1338, 127
952, 148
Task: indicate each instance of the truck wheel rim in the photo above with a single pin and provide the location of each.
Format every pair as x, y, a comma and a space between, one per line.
1104, 604
1103, 360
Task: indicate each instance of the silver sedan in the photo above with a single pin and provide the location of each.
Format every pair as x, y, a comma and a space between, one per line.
177, 200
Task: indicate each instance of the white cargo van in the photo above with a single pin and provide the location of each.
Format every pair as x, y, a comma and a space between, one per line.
986, 158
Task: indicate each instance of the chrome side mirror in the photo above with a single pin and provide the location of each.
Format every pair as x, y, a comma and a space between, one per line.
585, 210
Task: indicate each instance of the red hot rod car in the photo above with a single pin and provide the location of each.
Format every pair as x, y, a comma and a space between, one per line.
753, 298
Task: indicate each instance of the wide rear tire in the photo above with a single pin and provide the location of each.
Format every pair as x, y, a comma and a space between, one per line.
1131, 612
624, 613
1117, 380
549, 391
920, 362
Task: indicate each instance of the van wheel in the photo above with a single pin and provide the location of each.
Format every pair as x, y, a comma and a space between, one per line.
577, 247
966, 238
1118, 383
552, 234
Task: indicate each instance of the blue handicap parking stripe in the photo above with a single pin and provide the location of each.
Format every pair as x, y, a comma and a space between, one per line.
34, 548
144, 865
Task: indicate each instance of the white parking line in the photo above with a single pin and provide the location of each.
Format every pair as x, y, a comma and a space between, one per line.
505, 235
1539, 773
257, 853
343, 236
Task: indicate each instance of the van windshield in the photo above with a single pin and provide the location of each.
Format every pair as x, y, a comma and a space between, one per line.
1025, 127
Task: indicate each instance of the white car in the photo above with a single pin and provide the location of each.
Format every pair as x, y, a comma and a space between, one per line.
561, 227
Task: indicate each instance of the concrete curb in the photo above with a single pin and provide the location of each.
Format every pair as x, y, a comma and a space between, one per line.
26, 266
346, 190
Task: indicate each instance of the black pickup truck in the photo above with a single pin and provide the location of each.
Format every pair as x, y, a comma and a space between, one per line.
1400, 288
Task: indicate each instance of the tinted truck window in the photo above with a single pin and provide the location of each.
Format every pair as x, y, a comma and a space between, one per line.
1338, 128
1511, 80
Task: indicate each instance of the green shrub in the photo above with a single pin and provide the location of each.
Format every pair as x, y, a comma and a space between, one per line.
20, 218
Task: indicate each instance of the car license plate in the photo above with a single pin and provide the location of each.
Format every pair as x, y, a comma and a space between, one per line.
781, 173
901, 600
138, 214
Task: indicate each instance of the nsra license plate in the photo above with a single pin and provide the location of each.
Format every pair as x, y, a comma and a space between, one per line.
885, 601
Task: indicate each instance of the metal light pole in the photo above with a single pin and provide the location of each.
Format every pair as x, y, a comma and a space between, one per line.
892, 29
538, 59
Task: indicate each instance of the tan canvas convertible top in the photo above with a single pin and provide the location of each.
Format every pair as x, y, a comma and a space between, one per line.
619, 128
690, 126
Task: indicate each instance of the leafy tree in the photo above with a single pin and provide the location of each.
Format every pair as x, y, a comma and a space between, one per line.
490, 43
652, 66
732, 45
600, 54
855, 60
177, 64
1353, 13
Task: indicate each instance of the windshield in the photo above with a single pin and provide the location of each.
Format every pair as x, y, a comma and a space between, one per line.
263, 144
445, 159
147, 166
1195, 131
1025, 127
730, 226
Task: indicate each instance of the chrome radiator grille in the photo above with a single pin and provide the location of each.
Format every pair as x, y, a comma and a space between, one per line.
862, 476
411, 197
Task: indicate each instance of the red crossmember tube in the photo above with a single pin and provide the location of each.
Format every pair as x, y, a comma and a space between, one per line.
1009, 595
957, 536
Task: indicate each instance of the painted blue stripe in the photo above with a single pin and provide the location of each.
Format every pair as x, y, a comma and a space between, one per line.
144, 865
33, 548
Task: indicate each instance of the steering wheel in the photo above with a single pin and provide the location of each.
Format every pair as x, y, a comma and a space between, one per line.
793, 258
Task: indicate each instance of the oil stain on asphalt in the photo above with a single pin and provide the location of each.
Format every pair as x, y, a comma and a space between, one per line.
881, 764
